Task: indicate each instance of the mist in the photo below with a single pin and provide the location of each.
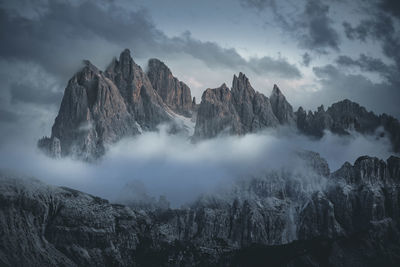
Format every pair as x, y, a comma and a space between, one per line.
156, 163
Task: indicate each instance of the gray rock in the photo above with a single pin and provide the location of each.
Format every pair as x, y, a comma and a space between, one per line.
281, 107
345, 116
240, 110
282, 211
217, 114
174, 93
99, 109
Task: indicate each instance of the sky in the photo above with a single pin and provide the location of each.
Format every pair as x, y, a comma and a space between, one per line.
316, 51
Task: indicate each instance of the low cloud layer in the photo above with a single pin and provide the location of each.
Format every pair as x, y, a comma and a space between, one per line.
180, 170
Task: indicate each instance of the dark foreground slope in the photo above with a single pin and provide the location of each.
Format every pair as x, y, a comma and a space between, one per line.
351, 219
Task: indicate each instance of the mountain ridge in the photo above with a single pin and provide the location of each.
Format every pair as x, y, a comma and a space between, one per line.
99, 108
354, 220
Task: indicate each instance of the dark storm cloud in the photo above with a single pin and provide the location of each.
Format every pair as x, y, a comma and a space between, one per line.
337, 84
64, 34
370, 64
214, 55
390, 6
279, 67
380, 27
30, 94
312, 28
7, 116
306, 59
321, 34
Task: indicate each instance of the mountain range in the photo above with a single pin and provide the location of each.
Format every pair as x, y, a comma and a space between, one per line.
101, 107
305, 215
349, 218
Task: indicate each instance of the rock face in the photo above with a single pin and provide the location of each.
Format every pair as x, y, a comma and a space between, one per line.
345, 116
217, 114
240, 110
174, 93
347, 218
99, 108
281, 107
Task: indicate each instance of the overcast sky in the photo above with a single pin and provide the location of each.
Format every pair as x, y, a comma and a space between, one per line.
317, 51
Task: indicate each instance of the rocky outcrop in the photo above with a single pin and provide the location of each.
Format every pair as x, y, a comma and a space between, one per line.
92, 114
174, 93
136, 89
217, 114
281, 107
99, 108
240, 110
346, 116
291, 213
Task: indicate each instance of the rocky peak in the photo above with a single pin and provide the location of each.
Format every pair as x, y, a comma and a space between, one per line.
276, 91
174, 93
217, 114
241, 88
369, 170
250, 111
100, 108
281, 107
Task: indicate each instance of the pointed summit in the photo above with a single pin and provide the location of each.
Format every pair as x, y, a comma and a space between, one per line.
174, 93
281, 107
241, 85
276, 90
125, 55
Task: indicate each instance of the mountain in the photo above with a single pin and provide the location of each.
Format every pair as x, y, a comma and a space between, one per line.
175, 94
99, 108
281, 107
346, 218
345, 116
240, 110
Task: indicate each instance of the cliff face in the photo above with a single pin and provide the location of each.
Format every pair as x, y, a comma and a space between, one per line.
351, 216
344, 116
99, 108
217, 114
174, 93
240, 110
281, 107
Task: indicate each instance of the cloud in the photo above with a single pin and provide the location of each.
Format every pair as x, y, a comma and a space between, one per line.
29, 94
306, 58
173, 166
279, 67
337, 84
320, 33
370, 64
379, 26
7, 116
312, 28
43, 43
390, 6
66, 33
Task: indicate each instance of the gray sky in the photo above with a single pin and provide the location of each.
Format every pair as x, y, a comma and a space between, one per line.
317, 51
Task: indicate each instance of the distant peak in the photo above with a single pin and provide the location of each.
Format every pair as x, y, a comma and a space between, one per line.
276, 90
223, 86
155, 63
126, 52
88, 65
125, 56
